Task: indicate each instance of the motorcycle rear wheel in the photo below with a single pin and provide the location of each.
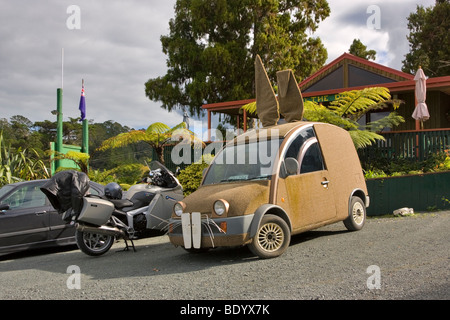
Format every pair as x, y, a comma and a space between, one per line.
93, 244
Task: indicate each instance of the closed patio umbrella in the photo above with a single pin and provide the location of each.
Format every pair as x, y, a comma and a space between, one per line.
421, 111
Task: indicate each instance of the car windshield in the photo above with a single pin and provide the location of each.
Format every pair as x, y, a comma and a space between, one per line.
242, 162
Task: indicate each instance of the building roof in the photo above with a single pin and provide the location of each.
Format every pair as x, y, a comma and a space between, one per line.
350, 71
345, 73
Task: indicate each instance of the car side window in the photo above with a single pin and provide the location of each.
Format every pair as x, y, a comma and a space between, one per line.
306, 150
311, 160
26, 197
296, 145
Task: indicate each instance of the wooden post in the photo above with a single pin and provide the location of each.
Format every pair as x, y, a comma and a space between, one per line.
245, 120
209, 125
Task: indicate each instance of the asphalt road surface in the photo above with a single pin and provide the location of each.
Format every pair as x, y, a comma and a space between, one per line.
403, 258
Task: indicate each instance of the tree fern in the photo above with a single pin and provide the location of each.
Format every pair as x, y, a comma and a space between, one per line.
363, 138
390, 121
157, 135
319, 113
81, 159
348, 108
360, 101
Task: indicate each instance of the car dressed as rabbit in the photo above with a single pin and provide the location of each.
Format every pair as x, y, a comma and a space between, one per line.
274, 182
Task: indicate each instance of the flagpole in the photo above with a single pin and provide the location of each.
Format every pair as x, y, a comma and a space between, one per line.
85, 146
62, 68
59, 114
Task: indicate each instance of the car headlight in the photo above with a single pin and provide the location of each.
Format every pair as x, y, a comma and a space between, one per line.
178, 208
221, 207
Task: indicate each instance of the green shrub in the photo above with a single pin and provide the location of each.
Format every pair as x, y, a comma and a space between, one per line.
19, 165
125, 175
191, 177
376, 173
381, 167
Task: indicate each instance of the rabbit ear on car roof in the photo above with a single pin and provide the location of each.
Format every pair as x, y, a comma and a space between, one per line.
289, 103
266, 101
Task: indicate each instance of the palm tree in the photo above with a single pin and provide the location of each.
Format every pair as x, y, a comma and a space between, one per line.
158, 135
348, 109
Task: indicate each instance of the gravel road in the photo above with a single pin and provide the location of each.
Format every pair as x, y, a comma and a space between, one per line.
391, 258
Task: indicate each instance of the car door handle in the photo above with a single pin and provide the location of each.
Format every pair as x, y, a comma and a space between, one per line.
325, 183
40, 213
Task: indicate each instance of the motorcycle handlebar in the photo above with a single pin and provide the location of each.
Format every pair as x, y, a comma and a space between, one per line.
162, 177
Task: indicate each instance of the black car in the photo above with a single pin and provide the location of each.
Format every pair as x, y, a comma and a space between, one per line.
28, 220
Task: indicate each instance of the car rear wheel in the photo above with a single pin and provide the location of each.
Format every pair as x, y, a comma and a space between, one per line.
357, 215
272, 238
93, 244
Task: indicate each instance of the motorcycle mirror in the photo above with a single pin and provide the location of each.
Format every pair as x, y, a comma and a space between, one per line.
146, 180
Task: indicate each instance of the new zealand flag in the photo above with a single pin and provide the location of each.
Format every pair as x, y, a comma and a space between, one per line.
82, 104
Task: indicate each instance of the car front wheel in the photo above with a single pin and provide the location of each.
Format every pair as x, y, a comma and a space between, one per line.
272, 238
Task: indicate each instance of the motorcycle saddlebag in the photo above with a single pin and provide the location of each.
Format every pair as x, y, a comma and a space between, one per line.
96, 211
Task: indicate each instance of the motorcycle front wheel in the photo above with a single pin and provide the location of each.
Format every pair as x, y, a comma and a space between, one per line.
93, 244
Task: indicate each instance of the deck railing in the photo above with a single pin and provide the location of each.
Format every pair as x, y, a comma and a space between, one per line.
411, 145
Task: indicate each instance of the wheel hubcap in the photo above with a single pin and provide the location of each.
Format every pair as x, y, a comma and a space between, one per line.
271, 237
358, 213
95, 242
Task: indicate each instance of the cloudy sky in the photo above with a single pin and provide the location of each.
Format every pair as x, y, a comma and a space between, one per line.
115, 48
